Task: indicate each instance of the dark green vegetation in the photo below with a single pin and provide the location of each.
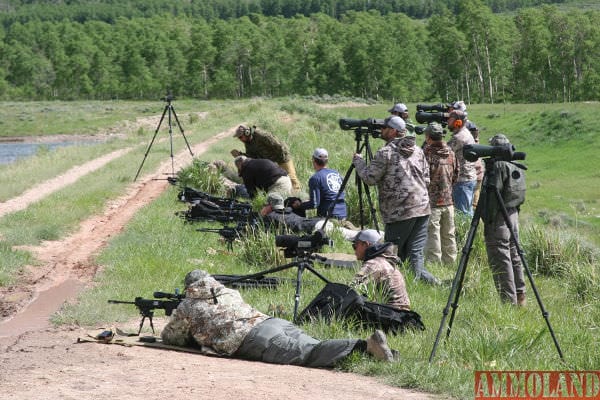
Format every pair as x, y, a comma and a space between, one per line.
532, 55
559, 225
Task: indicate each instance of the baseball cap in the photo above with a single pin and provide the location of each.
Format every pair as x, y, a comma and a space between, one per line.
368, 235
276, 201
499, 140
459, 105
434, 130
320, 154
399, 107
395, 122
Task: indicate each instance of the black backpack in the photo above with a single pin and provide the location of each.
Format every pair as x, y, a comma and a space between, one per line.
340, 300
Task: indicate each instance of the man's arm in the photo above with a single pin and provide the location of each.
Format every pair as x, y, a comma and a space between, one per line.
374, 172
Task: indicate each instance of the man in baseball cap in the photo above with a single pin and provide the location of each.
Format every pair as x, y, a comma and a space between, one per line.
379, 268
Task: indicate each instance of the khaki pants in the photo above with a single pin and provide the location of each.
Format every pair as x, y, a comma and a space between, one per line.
283, 186
291, 171
441, 241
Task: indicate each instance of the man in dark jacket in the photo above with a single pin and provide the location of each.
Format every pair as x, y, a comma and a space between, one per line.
509, 179
262, 174
261, 144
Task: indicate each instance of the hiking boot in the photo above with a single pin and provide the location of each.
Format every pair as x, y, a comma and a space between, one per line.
427, 277
377, 346
521, 300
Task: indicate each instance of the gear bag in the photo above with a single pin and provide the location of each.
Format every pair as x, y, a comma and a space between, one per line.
340, 300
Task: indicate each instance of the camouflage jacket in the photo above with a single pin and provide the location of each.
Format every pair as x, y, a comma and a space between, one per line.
401, 173
265, 145
212, 315
380, 269
459, 139
443, 171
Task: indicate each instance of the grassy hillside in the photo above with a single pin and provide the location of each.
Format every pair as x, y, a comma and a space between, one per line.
559, 218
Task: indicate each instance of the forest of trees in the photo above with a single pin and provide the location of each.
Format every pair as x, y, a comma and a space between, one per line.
537, 54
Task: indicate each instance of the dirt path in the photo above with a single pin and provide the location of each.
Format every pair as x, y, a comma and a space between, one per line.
41, 362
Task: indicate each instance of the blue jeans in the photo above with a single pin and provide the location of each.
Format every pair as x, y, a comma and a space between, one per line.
462, 194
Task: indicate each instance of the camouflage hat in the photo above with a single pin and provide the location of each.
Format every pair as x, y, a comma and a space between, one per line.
435, 131
275, 200
499, 140
194, 276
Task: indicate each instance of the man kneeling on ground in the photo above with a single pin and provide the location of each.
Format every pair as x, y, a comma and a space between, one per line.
217, 318
379, 267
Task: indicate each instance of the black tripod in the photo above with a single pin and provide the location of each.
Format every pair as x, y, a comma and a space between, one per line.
360, 133
302, 261
457, 283
170, 111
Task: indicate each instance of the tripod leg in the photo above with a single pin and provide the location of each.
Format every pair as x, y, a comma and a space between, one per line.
457, 282
513, 239
151, 142
181, 130
298, 289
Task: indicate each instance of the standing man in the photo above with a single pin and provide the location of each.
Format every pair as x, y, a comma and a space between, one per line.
379, 267
401, 173
324, 187
509, 179
400, 110
463, 189
260, 144
443, 172
262, 174
478, 163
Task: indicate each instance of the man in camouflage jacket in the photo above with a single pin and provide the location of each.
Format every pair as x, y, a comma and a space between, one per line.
401, 173
218, 320
379, 268
443, 172
261, 144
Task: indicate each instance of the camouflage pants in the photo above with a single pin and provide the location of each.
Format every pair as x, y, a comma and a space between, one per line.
283, 186
280, 342
503, 256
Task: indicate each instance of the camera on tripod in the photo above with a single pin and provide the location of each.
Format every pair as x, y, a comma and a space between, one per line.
295, 246
427, 113
371, 126
504, 152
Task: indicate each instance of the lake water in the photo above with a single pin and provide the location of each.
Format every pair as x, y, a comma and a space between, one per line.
11, 152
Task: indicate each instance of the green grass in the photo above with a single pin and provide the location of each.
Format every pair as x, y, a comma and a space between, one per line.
157, 248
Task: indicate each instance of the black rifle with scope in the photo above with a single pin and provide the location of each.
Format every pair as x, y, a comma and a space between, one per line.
147, 306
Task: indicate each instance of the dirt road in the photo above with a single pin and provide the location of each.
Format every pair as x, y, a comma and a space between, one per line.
38, 361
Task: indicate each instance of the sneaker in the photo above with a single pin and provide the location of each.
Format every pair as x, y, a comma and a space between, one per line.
377, 346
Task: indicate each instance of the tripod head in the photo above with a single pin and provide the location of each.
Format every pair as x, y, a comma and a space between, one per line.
168, 98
